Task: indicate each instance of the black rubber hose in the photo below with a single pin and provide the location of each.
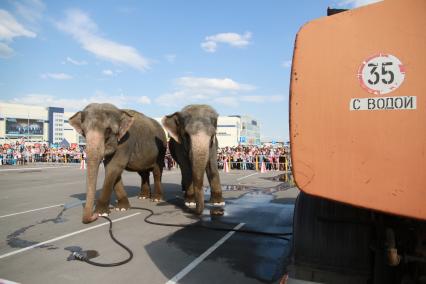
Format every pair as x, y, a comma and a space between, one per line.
151, 213
277, 235
85, 259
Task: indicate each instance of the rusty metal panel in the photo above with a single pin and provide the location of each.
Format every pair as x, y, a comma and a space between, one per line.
357, 107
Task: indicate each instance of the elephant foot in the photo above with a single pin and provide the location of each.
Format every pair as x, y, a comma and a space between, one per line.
120, 209
90, 218
157, 198
217, 211
122, 205
102, 210
144, 195
190, 201
191, 205
217, 201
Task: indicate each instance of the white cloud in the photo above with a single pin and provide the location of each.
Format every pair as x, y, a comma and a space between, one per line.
226, 101
108, 72
286, 64
85, 31
210, 43
75, 104
212, 84
30, 10
10, 28
209, 46
5, 51
144, 100
357, 3
224, 91
76, 62
56, 76
173, 99
171, 58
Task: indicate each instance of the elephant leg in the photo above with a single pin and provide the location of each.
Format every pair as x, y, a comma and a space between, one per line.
181, 157
190, 196
187, 187
145, 188
111, 176
122, 200
186, 183
158, 194
212, 172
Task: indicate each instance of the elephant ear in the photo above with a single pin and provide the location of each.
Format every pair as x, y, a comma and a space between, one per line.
75, 122
171, 124
126, 121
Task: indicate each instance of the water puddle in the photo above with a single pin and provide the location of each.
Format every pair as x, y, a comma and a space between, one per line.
286, 178
15, 241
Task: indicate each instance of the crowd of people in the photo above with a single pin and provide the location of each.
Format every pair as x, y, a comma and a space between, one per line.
241, 157
252, 157
22, 154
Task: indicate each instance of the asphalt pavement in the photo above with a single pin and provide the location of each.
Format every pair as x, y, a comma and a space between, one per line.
40, 227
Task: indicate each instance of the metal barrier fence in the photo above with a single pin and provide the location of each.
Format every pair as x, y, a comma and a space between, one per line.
283, 164
258, 164
38, 158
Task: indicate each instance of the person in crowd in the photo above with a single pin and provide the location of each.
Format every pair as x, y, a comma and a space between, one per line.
239, 157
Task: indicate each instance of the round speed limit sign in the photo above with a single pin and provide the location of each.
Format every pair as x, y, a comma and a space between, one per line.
381, 74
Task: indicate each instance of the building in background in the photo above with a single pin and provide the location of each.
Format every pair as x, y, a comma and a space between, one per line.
50, 125
237, 130
33, 124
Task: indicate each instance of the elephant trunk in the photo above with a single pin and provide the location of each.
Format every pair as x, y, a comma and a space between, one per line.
200, 144
95, 148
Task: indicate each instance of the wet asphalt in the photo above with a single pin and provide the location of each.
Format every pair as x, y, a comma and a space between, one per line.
36, 246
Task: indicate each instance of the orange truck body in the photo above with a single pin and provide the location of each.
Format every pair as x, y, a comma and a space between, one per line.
352, 141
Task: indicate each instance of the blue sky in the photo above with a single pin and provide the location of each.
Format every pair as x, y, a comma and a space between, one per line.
156, 56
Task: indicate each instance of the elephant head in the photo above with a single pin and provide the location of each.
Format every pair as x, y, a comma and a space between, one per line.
194, 129
103, 126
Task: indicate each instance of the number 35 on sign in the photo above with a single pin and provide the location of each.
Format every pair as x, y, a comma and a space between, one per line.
381, 74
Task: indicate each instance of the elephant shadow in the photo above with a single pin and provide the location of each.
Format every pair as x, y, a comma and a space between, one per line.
257, 257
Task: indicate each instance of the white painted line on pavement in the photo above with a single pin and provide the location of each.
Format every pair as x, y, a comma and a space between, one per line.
39, 168
13, 214
65, 236
4, 281
199, 259
238, 179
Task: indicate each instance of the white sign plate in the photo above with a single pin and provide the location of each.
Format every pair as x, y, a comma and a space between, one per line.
384, 103
381, 74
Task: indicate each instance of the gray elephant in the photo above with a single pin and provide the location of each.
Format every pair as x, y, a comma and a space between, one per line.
193, 144
125, 140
